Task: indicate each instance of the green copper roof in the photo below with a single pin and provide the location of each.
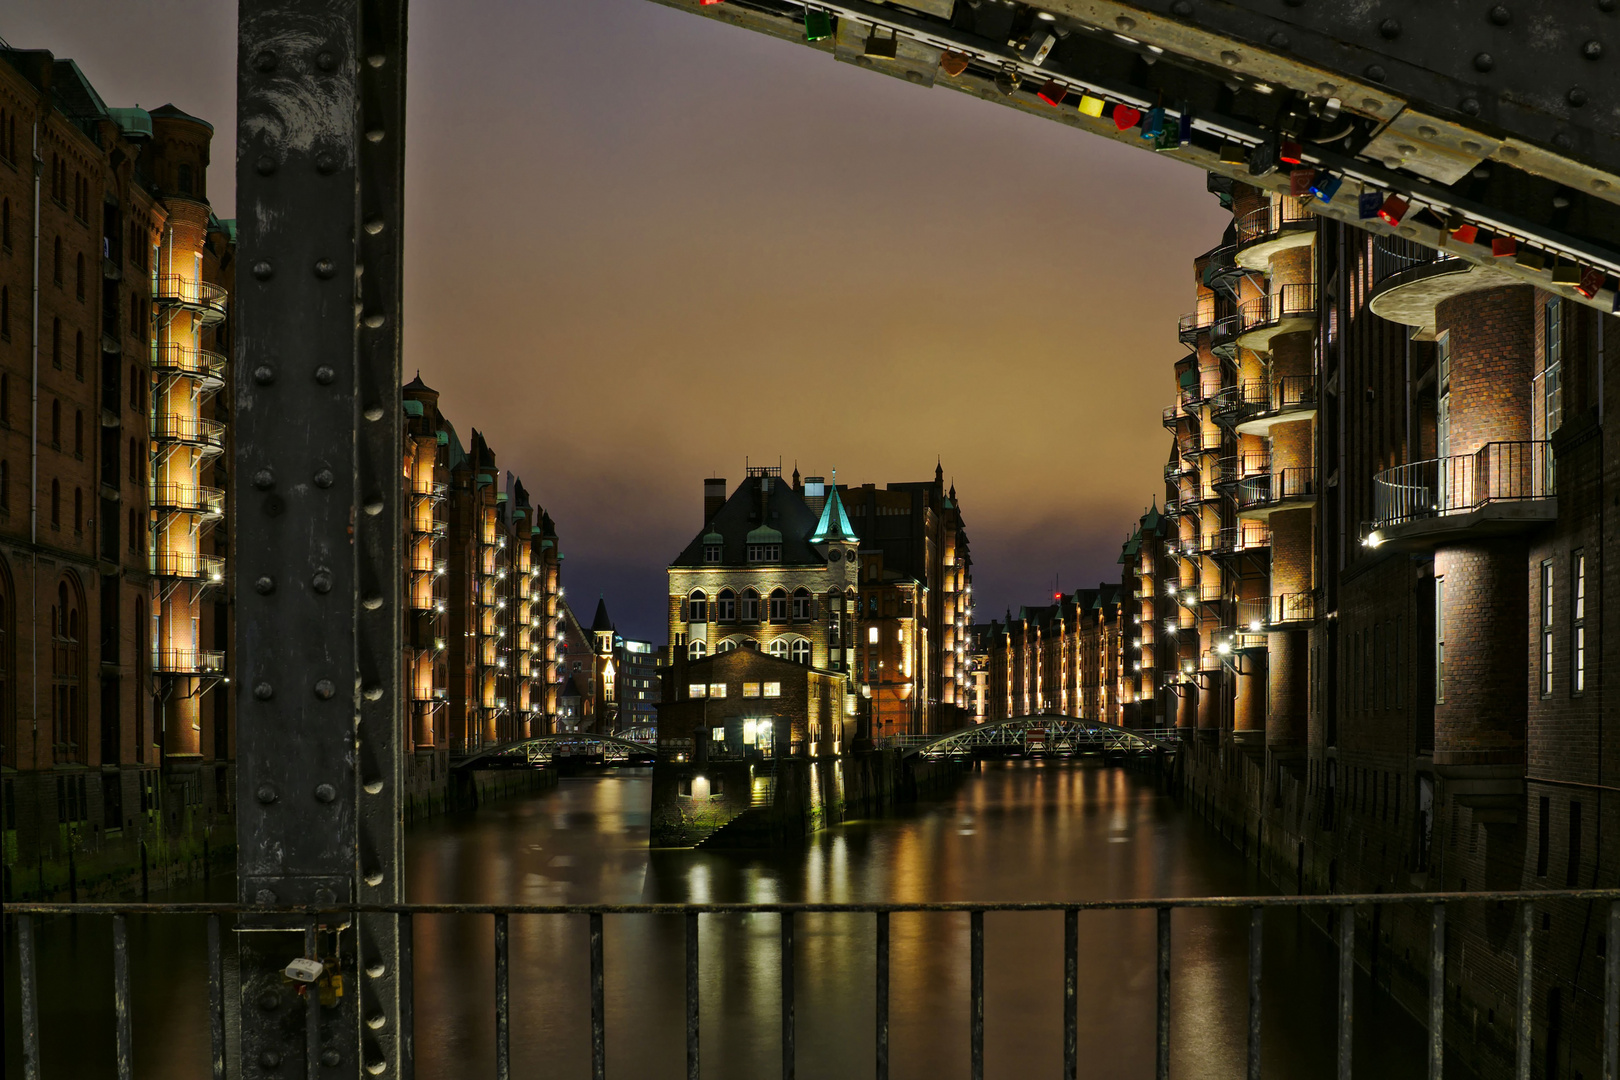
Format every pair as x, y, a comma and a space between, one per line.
764, 535
834, 523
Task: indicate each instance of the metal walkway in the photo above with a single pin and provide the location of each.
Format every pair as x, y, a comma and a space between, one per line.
1057, 736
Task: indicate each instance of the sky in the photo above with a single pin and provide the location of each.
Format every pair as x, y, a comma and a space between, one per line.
643, 248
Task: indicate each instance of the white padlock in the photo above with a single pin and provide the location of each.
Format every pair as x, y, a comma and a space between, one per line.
304, 970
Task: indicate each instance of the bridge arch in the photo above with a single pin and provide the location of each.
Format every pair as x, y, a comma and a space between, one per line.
543, 749
1049, 734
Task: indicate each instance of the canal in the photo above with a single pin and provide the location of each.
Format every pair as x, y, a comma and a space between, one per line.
1010, 831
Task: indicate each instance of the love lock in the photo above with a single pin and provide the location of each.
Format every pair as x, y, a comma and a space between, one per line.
304, 970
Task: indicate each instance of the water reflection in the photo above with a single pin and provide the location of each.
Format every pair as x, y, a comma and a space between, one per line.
1009, 832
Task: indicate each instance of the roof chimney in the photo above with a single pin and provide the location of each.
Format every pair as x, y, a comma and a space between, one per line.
714, 497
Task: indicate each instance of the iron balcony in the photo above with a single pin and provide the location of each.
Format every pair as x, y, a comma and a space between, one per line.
205, 435
1290, 309
188, 662
1195, 323
188, 566
1501, 488
182, 360
1274, 227
208, 502
1284, 489
1275, 400
202, 297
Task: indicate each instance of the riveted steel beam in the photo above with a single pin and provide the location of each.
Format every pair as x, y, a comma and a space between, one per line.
1246, 90
317, 526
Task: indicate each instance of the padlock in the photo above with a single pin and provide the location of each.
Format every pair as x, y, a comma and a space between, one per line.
304, 970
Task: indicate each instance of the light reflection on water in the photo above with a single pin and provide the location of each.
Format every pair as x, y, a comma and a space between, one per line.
1014, 831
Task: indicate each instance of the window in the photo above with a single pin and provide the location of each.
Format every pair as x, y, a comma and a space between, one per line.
1552, 367
773, 689
759, 553
697, 607
1546, 628
801, 652
56, 425
750, 689
779, 605
872, 635
183, 179
65, 663
803, 605
717, 689
726, 645
56, 504
1442, 422
779, 649
5, 312
697, 690
1577, 612
712, 553
78, 510
134, 531
134, 462
1439, 640
726, 606
56, 344
1543, 835
750, 606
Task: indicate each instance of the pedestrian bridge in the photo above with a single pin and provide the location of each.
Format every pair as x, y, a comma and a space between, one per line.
545, 749
1053, 736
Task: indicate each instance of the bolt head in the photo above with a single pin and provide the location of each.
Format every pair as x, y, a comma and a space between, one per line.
264, 479
331, 1059
1484, 61
321, 582
263, 270
266, 794
264, 374
1390, 29
1376, 72
1500, 15
265, 165
324, 689
325, 163
1576, 96
264, 691
325, 268
265, 585
1592, 50
1469, 106
325, 61
264, 61
323, 479
324, 375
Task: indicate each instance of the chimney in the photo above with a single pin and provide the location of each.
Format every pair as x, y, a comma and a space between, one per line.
714, 497
815, 492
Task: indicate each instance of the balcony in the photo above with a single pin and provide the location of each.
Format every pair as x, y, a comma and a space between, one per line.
1195, 323
188, 566
1277, 400
205, 298
1500, 489
1222, 270
1192, 443
1171, 416
436, 491
188, 499
1273, 228
1284, 489
1223, 336
1279, 612
187, 362
1289, 310
188, 662
205, 435
1410, 279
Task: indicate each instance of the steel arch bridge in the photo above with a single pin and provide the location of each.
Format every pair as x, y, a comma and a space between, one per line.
1059, 736
544, 749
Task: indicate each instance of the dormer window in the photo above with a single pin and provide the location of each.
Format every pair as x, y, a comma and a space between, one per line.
712, 553
764, 553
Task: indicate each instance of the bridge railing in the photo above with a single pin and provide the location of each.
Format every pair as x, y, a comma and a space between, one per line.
281, 1010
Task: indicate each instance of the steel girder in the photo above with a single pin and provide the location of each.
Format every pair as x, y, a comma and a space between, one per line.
1505, 117
543, 748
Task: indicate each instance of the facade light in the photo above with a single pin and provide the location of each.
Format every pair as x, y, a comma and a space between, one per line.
1393, 210
1224, 648
1374, 538
1254, 626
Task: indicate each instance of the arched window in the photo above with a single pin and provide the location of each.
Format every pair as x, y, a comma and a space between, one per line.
78, 355
78, 432
779, 605
695, 650
750, 605
726, 606
750, 643
801, 652
78, 275
56, 504
697, 606
726, 646
804, 607
78, 510
779, 648
183, 179
67, 728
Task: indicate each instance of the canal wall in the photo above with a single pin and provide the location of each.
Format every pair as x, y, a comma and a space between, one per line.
1308, 830
770, 803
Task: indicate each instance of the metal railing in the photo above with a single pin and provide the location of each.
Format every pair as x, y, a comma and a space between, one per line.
1171, 416
1438, 487
1297, 482
1395, 254
189, 565
188, 429
188, 498
1276, 395
1288, 212
1222, 262
187, 292
306, 922
170, 358
1196, 322
188, 662
1296, 300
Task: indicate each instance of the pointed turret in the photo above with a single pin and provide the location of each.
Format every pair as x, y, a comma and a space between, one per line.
834, 524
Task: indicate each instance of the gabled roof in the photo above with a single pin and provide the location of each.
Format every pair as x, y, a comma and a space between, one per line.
834, 523
786, 514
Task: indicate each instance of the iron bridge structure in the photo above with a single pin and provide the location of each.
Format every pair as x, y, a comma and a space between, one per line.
546, 749
1051, 736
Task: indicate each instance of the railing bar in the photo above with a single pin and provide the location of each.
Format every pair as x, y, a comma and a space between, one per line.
29, 994
1162, 1055
1347, 986
1256, 932
788, 1049
976, 991
312, 1005
1437, 991
1527, 974
503, 1042
598, 1017
882, 1002
126, 1051
692, 1072
1071, 987
216, 998
1611, 996
407, 999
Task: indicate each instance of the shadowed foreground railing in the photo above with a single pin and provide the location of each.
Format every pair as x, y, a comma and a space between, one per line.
1343, 929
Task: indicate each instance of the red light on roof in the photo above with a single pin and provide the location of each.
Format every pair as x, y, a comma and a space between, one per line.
1057, 596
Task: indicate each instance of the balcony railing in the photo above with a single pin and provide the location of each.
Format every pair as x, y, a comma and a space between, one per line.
189, 566
1277, 396
435, 491
1195, 322
1439, 487
1249, 536
1395, 255
1222, 264
1171, 416
1282, 486
1294, 301
201, 296
1223, 335
173, 359
188, 499
1286, 214
188, 662
191, 430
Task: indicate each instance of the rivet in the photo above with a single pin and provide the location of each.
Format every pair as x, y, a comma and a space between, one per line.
373, 320
1326, 89
265, 61
269, 1001
374, 225
1407, 149
1592, 50
325, 163
1390, 28
1375, 72
373, 413
266, 794
1427, 132
321, 582
331, 1059
1393, 162
325, 268
1469, 105
1564, 140
325, 792
372, 602
376, 60
324, 375
1371, 104
1471, 147
373, 787
263, 270
1181, 7
1500, 15
376, 1020
270, 1059
1560, 202
1484, 61
264, 479
374, 135
1125, 22
1599, 184
264, 374
372, 693
323, 479
264, 897
325, 61
1509, 151
1576, 96
264, 691
1279, 40
375, 971
1230, 58
374, 879
374, 507
265, 165
324, 689
265, 585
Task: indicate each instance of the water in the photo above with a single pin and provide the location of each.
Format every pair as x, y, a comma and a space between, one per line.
1013, 831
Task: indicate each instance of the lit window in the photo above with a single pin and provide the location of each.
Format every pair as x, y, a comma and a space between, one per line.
717, 689
803, 605
712, 553
1578, 625
1439, 640
697, 689
750, 689
872, 635
1546, 628
779, 649
773, 689
696, 650
801, 652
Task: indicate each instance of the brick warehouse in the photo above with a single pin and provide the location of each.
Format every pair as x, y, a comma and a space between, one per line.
1383, 640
